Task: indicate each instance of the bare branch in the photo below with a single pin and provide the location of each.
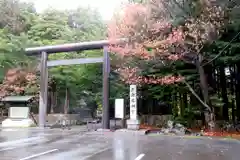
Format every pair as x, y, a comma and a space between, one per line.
195, 94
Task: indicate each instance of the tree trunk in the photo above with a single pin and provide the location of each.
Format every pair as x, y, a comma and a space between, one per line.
224, 93
184, 103
174, 105
53, 97
1, 113
232, 89
52, 104
181, 104
233, 112
238, 92
210, 72
66, 104
49, 102
209, 112
232, 80
185, 99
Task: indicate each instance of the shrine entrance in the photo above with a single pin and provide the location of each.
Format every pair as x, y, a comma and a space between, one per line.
46, 50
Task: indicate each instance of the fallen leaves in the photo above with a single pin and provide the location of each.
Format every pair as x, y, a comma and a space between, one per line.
234, 135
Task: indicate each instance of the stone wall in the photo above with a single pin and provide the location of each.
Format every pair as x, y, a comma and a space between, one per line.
161, 121
74, 118
155, 120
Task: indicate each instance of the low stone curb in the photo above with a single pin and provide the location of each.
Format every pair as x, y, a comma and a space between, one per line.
72, 128
20, 141
137, 132
196, 137
180, 136
19, 128
104, 130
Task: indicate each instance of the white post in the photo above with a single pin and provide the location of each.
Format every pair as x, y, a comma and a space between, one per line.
133, 123
120, 111
133, 102
119, 108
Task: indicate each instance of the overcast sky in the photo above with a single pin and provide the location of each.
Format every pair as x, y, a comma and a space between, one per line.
105, 7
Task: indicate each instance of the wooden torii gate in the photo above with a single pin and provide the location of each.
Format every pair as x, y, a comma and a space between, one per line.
44, 51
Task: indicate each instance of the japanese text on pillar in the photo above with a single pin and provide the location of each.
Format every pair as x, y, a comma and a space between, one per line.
133, 102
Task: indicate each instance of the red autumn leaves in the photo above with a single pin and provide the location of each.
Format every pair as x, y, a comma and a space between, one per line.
134, 24
15, 81
151, 34
130, 76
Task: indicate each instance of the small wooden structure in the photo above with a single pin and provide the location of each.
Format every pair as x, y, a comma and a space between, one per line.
18, 112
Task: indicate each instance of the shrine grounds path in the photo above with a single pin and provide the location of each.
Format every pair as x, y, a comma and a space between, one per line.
80, 144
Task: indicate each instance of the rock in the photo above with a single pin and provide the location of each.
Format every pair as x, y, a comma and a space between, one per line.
183, 129
196, 134
179, 132
170, 124
188, 132
103, 130
177, 129
166, 131
199, 134
178, 125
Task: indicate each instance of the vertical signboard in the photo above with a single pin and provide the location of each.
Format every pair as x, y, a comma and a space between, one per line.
119, 108
133, 102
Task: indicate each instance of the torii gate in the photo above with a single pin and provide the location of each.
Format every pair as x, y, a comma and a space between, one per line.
45, 50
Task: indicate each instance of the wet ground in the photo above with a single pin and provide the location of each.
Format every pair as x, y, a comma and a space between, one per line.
80, 144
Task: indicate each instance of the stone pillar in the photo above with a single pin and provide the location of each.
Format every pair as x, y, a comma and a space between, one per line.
105, 102
43, 91
133, 123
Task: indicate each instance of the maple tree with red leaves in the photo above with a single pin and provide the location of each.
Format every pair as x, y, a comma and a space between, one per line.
17, 81
151, 33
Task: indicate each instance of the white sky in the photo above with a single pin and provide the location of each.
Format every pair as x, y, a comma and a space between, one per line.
105, 7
